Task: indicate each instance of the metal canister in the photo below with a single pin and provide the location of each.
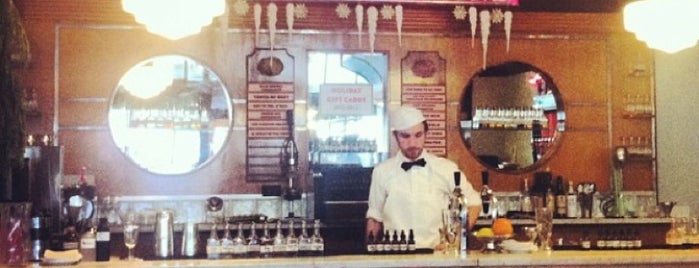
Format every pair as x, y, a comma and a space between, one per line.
38, 238
189, 239
164, 234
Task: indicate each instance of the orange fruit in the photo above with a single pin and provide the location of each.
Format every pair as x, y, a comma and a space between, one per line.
502, 227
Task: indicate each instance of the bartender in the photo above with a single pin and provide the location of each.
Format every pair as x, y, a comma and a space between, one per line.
410, 190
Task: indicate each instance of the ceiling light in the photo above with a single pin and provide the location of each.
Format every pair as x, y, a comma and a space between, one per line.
667, 25
174, 19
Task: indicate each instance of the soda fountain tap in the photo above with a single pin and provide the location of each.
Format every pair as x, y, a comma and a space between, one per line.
620, 155
456, 223
289, 159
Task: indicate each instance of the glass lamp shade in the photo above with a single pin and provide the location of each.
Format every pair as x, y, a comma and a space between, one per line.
174, 19
666, 25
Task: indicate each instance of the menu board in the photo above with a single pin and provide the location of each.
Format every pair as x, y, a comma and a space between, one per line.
423, 86
270, 94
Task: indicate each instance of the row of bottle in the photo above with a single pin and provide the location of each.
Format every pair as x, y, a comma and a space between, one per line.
254, 246
613, 239
387, 244
565, 204
520, 117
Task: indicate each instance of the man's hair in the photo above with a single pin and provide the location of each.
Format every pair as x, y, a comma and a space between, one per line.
424, 123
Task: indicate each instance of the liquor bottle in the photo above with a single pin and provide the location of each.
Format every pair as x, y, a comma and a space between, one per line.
317, 242
402, 242
305, 243
213, 244
550, 202
370, 243
88, 244
486, 194
238, 245
411, 241
292, 242
561, 199
266, 242
279, 242
572, 207
253, 242
526, 199
102, 240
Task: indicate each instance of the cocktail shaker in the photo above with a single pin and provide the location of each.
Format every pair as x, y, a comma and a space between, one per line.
164, 234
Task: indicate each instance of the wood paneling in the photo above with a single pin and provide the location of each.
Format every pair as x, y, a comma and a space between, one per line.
587, 54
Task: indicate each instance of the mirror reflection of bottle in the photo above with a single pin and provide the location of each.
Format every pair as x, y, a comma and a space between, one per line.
572, 210
561, 199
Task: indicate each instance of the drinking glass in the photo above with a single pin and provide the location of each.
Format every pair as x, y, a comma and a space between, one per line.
544, 226
131, 231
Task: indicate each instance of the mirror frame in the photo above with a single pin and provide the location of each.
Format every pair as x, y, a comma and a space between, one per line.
118, 88
510, 68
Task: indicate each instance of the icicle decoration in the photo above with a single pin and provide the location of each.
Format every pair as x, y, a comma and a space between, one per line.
359, 12
290, 18
473, 19
372, 16
508, 28
485, 32
257, 9
272, 26
399, 24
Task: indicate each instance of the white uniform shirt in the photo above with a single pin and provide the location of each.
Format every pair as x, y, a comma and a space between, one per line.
414, 199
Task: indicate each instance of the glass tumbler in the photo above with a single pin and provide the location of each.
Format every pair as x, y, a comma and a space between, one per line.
544, 226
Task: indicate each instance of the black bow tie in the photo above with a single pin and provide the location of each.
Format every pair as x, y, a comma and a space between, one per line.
407, 165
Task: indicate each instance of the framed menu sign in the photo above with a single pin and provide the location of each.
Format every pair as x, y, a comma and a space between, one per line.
423, 86
270, 94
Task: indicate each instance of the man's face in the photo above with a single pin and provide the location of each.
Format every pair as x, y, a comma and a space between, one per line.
411, 141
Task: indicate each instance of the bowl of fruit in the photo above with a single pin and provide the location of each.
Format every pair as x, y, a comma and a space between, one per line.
491, 237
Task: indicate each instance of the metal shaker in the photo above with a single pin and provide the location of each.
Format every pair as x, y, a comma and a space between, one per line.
189, 239
38, 235
164, 234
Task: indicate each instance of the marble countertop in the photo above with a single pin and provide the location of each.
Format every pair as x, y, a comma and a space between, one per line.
650, 257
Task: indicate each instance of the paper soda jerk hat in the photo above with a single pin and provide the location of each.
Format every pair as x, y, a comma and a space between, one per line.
406, 117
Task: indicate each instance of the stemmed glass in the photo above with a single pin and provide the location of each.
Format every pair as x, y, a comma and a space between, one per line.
131, 231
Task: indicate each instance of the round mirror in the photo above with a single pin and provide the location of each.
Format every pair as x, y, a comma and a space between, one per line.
511, 117
170, 114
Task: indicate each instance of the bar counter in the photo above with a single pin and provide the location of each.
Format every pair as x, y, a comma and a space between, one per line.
568, 258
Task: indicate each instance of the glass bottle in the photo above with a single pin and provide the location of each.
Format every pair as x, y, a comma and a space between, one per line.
279, 241
292, 242
561, 199
395, 243
370, 244
317, 242
411, 241
572, 209
266, 242
253, 242
378, 243
387, 247
403, 244
526, 199
238, 244
305, 243
88, 245
102, 240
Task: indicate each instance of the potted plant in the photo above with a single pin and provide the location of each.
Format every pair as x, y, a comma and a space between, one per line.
14, 54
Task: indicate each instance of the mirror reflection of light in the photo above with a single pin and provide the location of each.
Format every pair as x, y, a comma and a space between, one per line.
148, 80
174, 19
